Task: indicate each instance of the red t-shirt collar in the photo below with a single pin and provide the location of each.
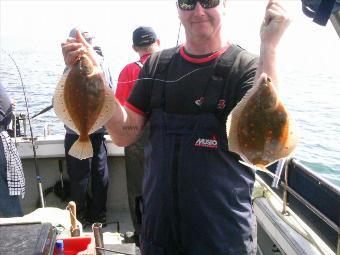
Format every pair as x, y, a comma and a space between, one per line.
144, 58
201, 60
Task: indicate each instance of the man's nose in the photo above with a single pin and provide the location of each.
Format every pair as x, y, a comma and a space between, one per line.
199, 9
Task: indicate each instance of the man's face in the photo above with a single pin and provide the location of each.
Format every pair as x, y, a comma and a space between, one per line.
201, 22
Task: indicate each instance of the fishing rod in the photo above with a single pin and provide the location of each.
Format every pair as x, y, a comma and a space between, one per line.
38, 177
179, 31
42, 111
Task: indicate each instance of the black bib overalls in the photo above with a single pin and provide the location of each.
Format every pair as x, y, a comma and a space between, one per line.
196, 195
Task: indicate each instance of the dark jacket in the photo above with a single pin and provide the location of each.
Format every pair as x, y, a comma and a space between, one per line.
5, 108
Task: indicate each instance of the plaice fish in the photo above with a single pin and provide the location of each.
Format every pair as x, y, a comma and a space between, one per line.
84, 102
259, 128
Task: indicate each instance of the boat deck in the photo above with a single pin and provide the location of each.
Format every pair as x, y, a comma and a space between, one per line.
274, 231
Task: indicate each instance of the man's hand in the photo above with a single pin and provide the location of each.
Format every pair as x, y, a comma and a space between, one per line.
73, 48
275, 22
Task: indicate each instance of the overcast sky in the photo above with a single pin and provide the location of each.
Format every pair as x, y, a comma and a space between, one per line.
44, 24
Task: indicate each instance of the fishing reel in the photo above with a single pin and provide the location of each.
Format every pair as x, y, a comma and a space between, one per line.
18, 125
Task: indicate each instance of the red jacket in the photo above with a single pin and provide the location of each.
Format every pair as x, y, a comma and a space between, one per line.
127, 79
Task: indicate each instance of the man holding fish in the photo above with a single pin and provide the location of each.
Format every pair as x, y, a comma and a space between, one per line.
196, 193
88, 158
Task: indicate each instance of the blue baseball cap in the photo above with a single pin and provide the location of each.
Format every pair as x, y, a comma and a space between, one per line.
143, 36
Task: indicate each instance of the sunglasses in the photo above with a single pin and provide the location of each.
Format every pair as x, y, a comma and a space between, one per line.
189, 5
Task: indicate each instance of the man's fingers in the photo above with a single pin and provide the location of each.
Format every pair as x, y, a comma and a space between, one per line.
66, 47
81, 39
71, 40
275, 11
72, 48
87, 48
270, 15
262, 78
71, 52
277, 16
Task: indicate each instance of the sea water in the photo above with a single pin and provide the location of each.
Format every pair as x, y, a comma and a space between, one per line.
311, 97
31, 31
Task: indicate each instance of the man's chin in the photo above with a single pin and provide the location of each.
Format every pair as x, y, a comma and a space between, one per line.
207, 33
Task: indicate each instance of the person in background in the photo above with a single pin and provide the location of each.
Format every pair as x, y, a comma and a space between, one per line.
196, 193
90, 209
145, 42
12, 179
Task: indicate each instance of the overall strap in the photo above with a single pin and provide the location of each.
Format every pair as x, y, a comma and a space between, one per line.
158, 64
219, 80
140, 64
230, 91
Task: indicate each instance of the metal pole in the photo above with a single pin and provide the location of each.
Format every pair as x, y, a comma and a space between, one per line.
98, 237
285, 192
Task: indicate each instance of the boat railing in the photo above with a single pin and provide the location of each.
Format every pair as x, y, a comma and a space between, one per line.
335, 19
322, 182
18, 125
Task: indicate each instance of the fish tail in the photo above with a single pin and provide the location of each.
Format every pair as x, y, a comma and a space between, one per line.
81, 149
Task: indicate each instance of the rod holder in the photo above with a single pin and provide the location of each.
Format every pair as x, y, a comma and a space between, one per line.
98, 237
74, 229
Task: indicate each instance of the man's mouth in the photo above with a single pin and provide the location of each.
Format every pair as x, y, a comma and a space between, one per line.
199, 21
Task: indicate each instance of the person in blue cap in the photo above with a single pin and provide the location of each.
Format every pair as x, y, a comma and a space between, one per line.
12, 179
90, 209
196, 194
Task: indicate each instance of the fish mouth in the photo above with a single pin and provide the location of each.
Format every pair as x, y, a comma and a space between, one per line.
85, 65
266, 81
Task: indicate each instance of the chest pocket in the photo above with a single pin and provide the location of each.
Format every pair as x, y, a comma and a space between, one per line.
221, 85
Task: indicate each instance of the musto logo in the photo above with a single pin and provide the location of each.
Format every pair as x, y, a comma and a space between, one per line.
207, 143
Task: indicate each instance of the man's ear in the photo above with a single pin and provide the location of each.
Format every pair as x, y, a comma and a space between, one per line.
134, 48
158, 42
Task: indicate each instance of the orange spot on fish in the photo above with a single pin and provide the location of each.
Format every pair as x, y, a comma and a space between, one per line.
259, 126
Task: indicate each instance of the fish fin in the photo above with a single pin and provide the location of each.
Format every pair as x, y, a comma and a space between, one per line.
233, 120
59, 105
257, 168
81, 149
232, 123
106, 112
291, 143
